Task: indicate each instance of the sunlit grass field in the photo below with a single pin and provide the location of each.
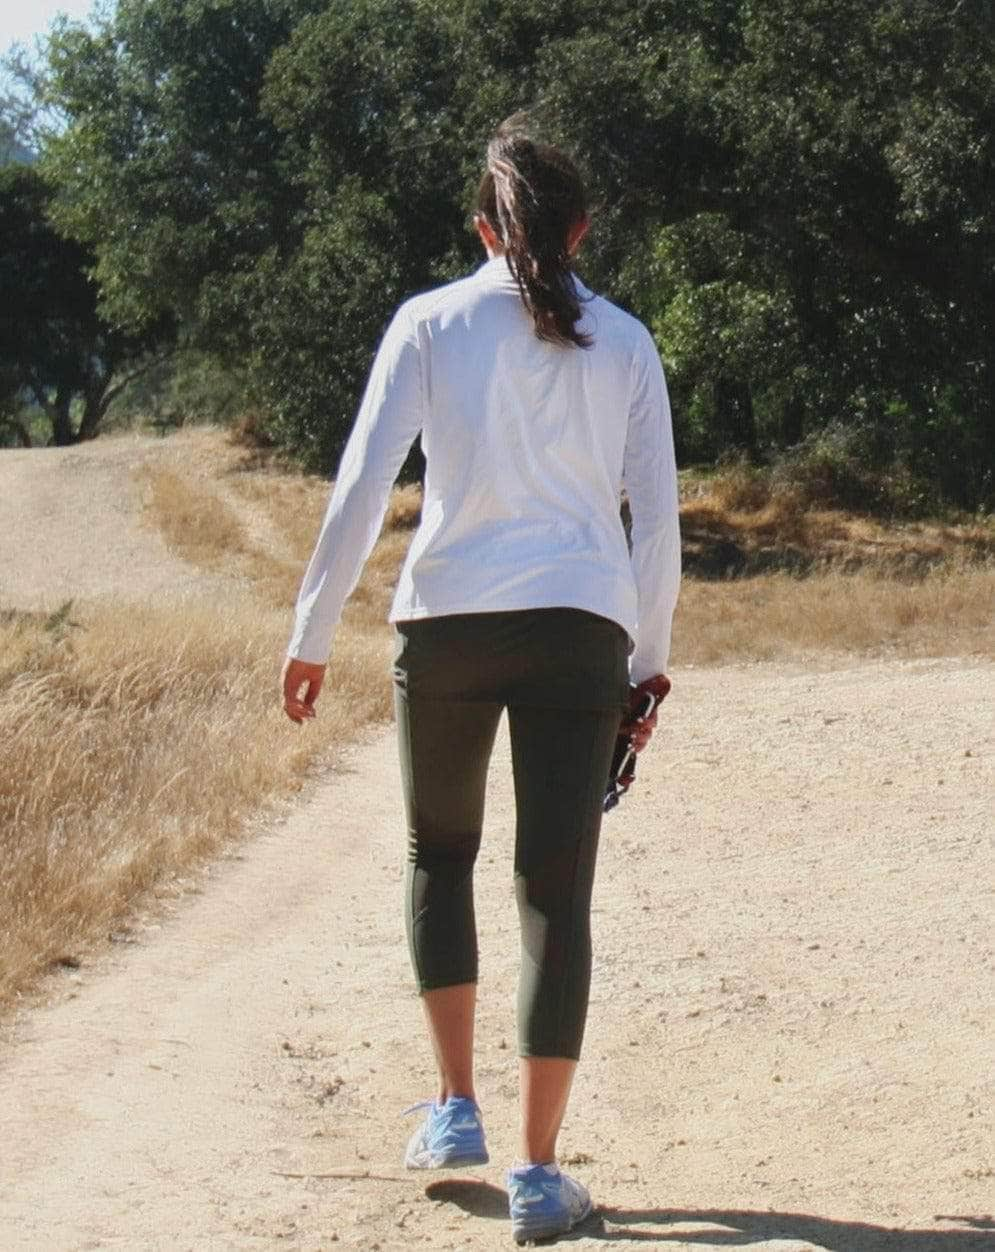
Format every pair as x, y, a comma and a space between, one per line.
132, 752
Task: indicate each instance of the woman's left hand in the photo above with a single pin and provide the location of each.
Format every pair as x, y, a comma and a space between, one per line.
296, 675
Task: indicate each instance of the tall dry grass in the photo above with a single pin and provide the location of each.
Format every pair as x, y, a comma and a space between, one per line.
832, 614
198, 521
129, 753
771, 576
764, 521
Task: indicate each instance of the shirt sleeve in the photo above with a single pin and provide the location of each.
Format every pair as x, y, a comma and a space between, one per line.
389, 418
650, 476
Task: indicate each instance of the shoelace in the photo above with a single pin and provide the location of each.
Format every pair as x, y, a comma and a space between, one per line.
422, 1104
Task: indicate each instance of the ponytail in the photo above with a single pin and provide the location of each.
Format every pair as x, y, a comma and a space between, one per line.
531, 196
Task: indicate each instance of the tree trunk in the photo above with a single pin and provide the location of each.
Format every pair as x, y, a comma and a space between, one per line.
734, 403
99, 394
95, 401
63, 434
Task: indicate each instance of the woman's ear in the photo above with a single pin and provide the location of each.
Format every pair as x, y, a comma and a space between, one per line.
488, 236
576, 233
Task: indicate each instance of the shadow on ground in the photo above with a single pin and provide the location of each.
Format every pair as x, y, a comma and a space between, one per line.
709, 556
480, 1199
720, 551
733, 1228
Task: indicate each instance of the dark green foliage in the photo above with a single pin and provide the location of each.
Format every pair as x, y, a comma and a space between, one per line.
54, 345
12, 151
795, 194
362, 93
188, 386
167, 168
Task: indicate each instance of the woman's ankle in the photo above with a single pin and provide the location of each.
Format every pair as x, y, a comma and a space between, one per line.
455, 1091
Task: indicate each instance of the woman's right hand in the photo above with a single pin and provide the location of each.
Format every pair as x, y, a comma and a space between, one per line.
640, 729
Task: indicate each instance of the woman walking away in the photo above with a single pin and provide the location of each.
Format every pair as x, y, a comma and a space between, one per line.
536, 400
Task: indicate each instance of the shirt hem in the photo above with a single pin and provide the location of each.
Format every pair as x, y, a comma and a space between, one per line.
418, 613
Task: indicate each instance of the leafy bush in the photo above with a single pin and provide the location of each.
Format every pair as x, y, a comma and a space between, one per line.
847, 467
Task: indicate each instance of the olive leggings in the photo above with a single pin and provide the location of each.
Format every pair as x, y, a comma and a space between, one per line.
562, 675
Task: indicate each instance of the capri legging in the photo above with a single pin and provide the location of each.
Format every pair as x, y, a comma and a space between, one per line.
562, 675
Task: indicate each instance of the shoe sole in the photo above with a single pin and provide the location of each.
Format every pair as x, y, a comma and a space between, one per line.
525, 1232
449, 1162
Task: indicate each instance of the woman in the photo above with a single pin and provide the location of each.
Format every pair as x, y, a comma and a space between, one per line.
535, 400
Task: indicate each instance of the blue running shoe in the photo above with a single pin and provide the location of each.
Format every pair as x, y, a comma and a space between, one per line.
544, 1202
451, 1136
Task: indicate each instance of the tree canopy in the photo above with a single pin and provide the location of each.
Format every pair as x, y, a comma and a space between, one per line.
796, 196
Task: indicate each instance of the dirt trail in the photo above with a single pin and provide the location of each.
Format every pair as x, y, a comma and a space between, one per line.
791, 1043
72, 526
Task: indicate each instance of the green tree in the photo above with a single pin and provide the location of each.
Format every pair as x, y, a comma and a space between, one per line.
818, 221
54, 345
363, 95
166, 168
865, 152
795, 194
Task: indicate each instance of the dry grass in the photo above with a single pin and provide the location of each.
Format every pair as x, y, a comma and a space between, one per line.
780, 616
201, 525
262, 523
770, 577
130, 754
767, 576
740, 522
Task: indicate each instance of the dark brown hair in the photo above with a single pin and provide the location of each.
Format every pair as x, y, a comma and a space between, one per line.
531, 195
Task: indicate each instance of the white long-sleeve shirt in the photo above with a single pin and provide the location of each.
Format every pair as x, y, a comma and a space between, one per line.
528, 445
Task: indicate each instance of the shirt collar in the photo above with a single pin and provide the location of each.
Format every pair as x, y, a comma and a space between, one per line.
495, 272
